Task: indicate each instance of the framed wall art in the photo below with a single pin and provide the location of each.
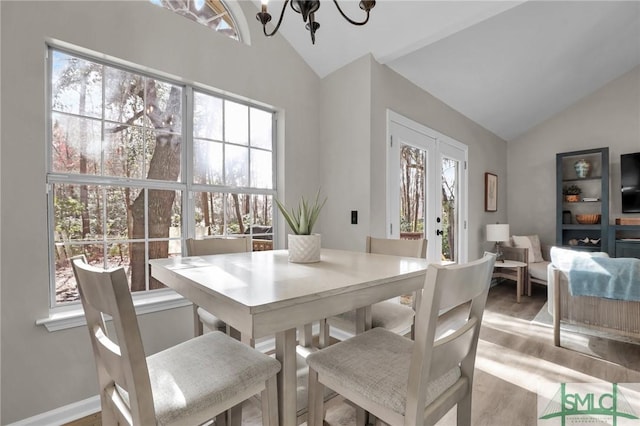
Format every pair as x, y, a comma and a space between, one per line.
490, 192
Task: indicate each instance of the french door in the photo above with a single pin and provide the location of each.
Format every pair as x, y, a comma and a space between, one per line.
427, 187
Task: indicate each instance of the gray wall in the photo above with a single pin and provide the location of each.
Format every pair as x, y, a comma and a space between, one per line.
361, 93
487, 152
40, 370
609, 117
345, 155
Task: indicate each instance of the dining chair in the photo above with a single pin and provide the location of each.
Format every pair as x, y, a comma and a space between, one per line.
411, 382
388, 314
189, 383
201, 317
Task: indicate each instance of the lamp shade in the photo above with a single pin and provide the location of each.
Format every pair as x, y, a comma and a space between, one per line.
498, 232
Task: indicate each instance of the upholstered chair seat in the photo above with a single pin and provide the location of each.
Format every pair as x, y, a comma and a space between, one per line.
359, 370
411, 382
190, 383
176, 375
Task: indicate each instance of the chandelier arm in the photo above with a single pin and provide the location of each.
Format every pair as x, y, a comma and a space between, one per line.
366, 19
275, 30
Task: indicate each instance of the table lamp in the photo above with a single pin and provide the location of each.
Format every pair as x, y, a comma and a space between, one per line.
498, 232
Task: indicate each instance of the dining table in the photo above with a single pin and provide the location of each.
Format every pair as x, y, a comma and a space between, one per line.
262, 294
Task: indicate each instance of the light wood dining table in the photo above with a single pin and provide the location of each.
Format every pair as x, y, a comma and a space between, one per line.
263, 294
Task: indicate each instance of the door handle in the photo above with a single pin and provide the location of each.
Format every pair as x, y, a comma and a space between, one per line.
438, 232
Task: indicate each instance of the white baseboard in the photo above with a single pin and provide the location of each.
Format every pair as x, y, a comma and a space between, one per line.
62, 415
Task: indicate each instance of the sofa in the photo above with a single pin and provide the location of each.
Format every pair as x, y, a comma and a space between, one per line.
594, 291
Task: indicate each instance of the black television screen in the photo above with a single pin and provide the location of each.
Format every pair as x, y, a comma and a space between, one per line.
630, 180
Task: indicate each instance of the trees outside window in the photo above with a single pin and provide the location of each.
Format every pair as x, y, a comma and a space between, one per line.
119, 190
412, 198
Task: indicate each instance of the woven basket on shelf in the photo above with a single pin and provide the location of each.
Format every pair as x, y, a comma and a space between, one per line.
588, 219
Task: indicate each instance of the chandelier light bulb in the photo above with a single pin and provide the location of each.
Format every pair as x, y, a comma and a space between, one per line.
308, 9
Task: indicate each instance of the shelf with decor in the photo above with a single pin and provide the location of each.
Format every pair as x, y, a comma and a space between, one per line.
582, 199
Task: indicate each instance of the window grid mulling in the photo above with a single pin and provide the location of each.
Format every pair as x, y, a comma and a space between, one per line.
184, 184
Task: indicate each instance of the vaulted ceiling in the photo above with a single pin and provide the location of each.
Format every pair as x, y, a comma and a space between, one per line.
507, 65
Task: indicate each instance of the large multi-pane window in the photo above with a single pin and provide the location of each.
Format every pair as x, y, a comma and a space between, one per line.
138, 163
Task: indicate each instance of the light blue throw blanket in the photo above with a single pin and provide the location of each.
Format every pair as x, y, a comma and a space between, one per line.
613, 278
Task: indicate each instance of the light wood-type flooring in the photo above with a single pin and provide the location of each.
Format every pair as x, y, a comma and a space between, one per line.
515, 357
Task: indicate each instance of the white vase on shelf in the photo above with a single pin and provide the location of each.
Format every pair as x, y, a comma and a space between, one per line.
582, 167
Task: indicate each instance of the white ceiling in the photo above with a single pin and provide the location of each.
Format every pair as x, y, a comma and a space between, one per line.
507, 65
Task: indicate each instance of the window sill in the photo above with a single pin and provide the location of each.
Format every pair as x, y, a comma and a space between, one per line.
74, 317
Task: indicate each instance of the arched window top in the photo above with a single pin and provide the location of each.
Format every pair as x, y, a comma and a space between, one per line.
215, 14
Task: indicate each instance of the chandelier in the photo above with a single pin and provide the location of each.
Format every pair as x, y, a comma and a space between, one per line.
308, 9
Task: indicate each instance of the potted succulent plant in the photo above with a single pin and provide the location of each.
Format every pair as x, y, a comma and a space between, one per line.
572, 193
304, 246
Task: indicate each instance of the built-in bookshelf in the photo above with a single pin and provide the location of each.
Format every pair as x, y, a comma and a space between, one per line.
582, 222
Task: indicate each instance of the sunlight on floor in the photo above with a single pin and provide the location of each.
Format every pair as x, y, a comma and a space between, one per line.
525, 371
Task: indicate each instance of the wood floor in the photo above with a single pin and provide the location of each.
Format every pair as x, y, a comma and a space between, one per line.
515, 357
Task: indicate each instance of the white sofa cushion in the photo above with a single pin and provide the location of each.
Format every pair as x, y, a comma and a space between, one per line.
562, 258
538, 270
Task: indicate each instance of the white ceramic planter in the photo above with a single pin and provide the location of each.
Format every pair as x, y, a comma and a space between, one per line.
304, 248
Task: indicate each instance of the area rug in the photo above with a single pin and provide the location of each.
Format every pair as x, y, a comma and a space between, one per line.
544, 318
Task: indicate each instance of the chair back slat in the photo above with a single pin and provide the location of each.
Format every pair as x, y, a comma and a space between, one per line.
120, 361
209, 246
109, 354
461, 286
449, 351
446, 287
406, 248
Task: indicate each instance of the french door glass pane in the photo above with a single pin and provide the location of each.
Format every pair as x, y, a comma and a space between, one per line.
412, 197
450, 191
